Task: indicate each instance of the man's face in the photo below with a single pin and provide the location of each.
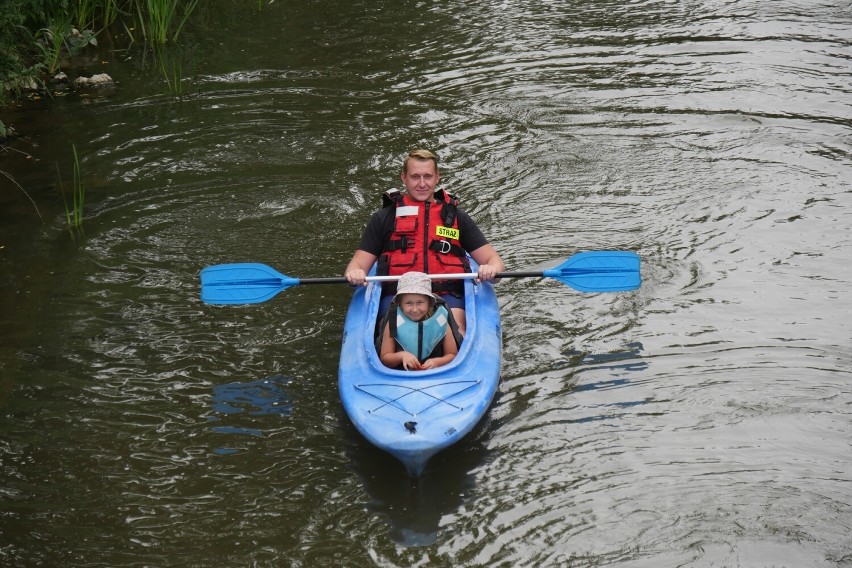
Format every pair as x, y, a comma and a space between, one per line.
420, 179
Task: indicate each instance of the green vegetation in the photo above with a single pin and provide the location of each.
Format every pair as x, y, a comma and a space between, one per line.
169, 59
74, 213
58, 38
36, 35
157, 18
92, 13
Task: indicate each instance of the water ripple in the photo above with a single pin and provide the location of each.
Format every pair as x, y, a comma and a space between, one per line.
702, 419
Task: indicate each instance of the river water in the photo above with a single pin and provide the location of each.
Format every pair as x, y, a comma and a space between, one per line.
702, 420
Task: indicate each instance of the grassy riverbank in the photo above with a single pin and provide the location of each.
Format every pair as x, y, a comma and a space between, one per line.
36, 35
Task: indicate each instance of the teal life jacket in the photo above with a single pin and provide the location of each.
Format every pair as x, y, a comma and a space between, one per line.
424, 339
421, 337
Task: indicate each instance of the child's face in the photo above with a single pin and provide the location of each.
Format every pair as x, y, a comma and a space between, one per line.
415, 306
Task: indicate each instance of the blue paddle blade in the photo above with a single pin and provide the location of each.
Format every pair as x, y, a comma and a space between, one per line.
242, 283
599, 271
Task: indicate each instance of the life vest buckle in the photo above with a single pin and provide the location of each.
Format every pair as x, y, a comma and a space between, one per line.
444, 247
399, 244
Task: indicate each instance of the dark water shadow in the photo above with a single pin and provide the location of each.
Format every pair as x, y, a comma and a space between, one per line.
240, 408
414, 507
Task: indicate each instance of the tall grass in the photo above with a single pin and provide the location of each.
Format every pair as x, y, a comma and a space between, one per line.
86, 12
170, 62
89, 14
74, 213
158, 18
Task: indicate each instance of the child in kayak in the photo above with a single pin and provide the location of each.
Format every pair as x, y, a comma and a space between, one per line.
418, 332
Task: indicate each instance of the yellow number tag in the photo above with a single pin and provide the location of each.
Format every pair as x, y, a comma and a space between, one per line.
447, 232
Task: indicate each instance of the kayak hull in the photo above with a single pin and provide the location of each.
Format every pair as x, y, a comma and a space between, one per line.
415, 414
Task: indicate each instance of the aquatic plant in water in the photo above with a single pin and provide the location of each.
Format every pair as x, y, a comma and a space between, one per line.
74, 213
171, 68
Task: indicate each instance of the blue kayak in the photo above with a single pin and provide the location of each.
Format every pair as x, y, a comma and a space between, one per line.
415, 414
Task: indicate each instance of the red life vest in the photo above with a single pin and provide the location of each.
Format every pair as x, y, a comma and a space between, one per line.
425, 238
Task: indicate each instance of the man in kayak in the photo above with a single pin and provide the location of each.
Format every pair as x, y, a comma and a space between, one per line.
423, 230
416, 333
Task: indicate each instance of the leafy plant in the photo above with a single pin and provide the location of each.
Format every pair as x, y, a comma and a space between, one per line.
59, 38
50, 41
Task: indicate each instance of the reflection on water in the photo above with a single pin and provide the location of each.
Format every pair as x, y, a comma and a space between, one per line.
415, 509
701, 420
259, 398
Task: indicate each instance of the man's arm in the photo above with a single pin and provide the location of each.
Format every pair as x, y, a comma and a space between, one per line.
477, 245
356, 270
372, 242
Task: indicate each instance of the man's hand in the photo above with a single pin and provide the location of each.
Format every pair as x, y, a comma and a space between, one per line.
487, 272
356, 277
489, 263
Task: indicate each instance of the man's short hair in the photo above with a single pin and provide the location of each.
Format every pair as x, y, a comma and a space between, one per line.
419, 154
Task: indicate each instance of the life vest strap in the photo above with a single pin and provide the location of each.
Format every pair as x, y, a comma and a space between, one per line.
399, 244
446, 247
391, 197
